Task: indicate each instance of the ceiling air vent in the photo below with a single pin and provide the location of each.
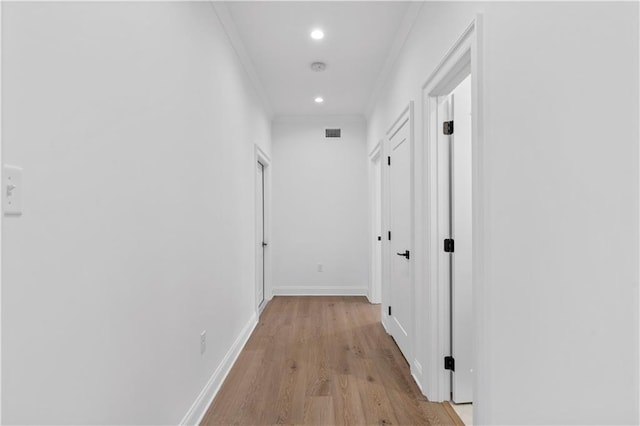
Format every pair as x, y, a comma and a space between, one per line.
332, 133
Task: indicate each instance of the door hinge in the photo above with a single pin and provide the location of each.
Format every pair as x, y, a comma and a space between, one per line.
449, 363
448, 245
388, 161
447, 127
389, 310
389, 236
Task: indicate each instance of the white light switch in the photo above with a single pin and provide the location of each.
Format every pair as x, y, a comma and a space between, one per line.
12, 190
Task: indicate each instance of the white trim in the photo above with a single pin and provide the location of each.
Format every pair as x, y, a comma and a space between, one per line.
303, 118
401, 36
1, 221
463, 58
415, 379
263, 158
200, 406
315, 290
228, 24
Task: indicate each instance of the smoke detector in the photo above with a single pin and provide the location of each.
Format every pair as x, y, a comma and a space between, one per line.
318, 66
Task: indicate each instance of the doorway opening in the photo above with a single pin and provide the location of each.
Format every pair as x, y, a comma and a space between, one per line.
455, 231
454, 187
262, 216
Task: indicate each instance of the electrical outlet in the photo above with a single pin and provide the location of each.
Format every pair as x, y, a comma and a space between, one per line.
320, 267
203, 342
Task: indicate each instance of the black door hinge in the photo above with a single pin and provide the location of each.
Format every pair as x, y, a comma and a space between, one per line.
449, 363
447, 127
389, 310
389, 235
388, 161
448, 245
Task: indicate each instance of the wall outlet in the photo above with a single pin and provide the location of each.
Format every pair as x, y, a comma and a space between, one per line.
320, 267
203, 342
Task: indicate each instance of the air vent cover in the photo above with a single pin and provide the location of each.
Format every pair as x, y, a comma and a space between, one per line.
332, 133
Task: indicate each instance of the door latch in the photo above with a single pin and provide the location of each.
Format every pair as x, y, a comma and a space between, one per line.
405, 254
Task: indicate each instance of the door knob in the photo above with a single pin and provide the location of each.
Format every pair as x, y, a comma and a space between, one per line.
405, 254
264, 244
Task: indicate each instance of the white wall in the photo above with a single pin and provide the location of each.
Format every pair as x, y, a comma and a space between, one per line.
320, 202
561, 172
135, 125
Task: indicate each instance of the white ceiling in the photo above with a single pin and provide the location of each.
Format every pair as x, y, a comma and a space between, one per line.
359, 39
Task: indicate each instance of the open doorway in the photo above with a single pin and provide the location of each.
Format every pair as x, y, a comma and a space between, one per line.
455, 206
455, 232
262, 217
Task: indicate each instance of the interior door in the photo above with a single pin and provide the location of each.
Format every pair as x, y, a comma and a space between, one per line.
461, 258
377, 229
399, 237
260, 242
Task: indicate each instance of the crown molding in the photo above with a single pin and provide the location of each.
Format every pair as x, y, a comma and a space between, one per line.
306, 118
228, 24
409, 19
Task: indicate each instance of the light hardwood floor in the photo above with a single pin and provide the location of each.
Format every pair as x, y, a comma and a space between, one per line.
322, 360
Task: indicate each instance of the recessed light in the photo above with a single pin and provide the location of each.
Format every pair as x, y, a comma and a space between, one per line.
317, 34
319, 100
318, 66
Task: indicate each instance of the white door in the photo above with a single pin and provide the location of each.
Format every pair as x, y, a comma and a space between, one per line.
260, 242
461, 260
399, 238
377, 230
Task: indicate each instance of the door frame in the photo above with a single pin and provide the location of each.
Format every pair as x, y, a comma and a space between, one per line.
375, 291
264, 159
1, 218
465, 57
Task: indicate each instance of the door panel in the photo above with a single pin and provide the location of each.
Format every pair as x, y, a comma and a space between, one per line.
461, 271
400, 286
377, 230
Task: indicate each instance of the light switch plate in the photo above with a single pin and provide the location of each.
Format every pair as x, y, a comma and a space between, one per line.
12, 190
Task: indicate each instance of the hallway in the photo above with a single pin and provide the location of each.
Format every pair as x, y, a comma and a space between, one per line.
322, 360
260, 212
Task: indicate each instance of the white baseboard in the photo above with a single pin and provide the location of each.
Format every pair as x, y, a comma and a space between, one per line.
203, 401
384, 324
416, 372
320, 291
415, 379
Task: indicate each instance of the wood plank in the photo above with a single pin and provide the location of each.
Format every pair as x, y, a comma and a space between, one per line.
322, 360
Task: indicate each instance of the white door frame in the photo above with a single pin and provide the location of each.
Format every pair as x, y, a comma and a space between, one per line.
264, 159
1, 219
375, 291
464, 58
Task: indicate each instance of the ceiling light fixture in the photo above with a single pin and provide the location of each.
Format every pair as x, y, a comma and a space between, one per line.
317, 34
318, 66
319, 100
